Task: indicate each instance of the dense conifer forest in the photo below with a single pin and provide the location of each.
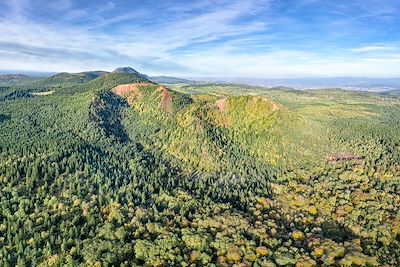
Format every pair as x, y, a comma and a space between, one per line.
110, 169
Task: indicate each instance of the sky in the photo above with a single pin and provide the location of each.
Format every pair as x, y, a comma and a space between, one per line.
204, 38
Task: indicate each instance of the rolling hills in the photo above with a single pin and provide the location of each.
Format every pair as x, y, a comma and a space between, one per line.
111, 169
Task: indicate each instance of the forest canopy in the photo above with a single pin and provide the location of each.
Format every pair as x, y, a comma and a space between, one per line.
196, 175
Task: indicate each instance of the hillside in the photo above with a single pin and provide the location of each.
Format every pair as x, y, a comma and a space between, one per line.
7, 77
10, 79
81, 77
111, 169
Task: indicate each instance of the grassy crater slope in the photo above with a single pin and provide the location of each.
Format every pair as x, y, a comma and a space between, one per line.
203, 130
119, 171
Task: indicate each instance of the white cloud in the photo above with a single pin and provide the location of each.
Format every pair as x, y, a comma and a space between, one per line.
45, 42
177, 45
293, 64
373, 48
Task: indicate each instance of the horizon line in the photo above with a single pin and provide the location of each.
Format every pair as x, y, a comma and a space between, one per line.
24, 72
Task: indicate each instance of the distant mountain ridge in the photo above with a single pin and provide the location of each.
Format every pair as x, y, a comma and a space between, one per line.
128, 69
62, 79
168, 79
77, 77
12, 77
96, 73
348, 83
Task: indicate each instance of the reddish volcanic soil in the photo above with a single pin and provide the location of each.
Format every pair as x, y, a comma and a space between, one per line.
126, 90
273, 104
221, 104
166, 99
344, 156
132, 91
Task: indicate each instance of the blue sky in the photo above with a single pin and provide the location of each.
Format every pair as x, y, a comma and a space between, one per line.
229, 38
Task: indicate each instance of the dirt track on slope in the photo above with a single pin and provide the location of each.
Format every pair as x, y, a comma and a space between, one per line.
165, 99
